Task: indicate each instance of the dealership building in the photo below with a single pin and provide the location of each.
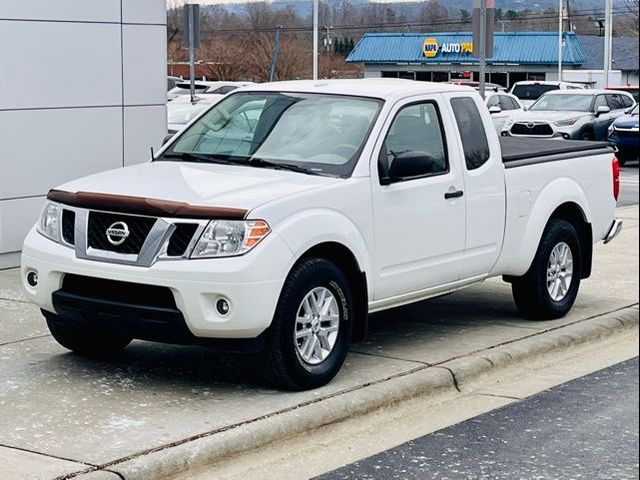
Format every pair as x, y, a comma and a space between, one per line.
443, 57
83, 89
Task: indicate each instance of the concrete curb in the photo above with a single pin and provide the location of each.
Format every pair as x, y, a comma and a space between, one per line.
446, 377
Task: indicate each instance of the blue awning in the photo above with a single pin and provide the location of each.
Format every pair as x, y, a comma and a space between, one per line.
522, 48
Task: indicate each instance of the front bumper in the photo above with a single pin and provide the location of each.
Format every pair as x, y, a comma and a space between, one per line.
251, 283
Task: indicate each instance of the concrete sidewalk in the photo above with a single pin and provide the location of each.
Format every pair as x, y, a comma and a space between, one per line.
159, 408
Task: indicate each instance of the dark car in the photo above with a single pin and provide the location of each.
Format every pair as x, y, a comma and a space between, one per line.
623, 134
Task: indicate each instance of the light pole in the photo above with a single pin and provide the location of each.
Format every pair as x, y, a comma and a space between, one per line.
608, 33
560, 31
315, 39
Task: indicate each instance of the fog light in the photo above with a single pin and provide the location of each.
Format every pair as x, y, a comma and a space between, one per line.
32, 278
566, 136
223, 306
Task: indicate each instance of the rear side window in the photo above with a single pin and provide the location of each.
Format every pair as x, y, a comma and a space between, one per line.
615, 102
472, 132
626, 101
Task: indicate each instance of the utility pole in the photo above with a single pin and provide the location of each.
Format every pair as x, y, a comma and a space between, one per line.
608, 34
483, 46
316, 6
192, 41
274, 58
560, 35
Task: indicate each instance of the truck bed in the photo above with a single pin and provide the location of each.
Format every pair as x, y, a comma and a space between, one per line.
526, 151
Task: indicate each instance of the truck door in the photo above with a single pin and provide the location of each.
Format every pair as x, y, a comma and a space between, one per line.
484, 184
418, 201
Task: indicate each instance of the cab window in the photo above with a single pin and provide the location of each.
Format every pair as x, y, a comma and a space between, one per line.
472, 132
416, 141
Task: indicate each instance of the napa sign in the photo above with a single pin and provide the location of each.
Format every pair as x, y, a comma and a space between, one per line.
431, 48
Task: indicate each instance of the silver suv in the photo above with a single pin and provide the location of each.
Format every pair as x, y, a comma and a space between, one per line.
570, 114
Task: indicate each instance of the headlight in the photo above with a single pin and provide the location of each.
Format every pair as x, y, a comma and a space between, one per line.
49, 223
225, 238
566, 123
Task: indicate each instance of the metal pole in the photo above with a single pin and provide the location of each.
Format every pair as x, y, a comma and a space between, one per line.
315, 39
483, 46
608, 30
560, 31
192, 53
274, 59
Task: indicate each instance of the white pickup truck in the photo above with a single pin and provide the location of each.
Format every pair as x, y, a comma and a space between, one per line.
283, 215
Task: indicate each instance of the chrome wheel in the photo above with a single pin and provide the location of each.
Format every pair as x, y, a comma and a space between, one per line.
317, 323
559, 271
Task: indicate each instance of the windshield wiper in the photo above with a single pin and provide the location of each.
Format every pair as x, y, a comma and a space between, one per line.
193, 157
262, 163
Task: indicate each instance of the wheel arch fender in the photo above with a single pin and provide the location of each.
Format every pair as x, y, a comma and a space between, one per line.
561, 198
343, 244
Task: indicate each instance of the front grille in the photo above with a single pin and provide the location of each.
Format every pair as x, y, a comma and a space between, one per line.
100, 222
69, 226
180, 239
535, 129
119, 292
626, 133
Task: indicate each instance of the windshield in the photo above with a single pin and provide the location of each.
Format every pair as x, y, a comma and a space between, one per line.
532, 92
564, 103
313, 133
183, 113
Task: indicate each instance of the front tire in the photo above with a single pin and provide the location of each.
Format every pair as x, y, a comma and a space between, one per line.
311, 330
550, 287
83, 340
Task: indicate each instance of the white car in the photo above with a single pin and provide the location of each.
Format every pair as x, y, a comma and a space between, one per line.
277, 221
204, 87
183, 109
502, 106
530, 91
570, 114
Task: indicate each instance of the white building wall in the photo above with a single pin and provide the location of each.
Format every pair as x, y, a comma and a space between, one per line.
82, 90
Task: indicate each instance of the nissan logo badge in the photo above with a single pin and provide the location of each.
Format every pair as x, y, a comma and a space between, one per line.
117, 233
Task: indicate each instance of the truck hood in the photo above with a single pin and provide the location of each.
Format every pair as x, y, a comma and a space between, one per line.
201, 184
547, 116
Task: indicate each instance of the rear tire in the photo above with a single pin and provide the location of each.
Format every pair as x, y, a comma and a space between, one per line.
586, 136
291, 363
540, 294
83, 340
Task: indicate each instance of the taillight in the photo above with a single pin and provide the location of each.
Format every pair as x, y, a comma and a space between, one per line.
615, 166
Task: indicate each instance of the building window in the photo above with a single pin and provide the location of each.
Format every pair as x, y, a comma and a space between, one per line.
440, 76
386, 74
424, 76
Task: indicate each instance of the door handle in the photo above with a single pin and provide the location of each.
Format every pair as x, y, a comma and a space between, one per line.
453, 194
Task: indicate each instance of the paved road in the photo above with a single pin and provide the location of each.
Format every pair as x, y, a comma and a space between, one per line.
629, 185
583, 429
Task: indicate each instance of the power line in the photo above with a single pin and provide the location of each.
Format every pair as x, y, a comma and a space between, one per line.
532, 19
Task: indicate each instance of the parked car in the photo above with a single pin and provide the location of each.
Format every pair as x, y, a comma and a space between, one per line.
172, 82
624, 135
182, 110
530, 91
570, 114
211, 88
278, 220
634, 90
502, 106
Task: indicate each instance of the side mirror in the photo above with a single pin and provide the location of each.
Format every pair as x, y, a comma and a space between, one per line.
495, 109
602, 109
525, 108
408, 165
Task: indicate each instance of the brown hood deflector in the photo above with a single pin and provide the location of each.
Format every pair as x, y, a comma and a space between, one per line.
144, 206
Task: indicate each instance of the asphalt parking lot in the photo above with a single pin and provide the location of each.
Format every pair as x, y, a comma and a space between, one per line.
65, 414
